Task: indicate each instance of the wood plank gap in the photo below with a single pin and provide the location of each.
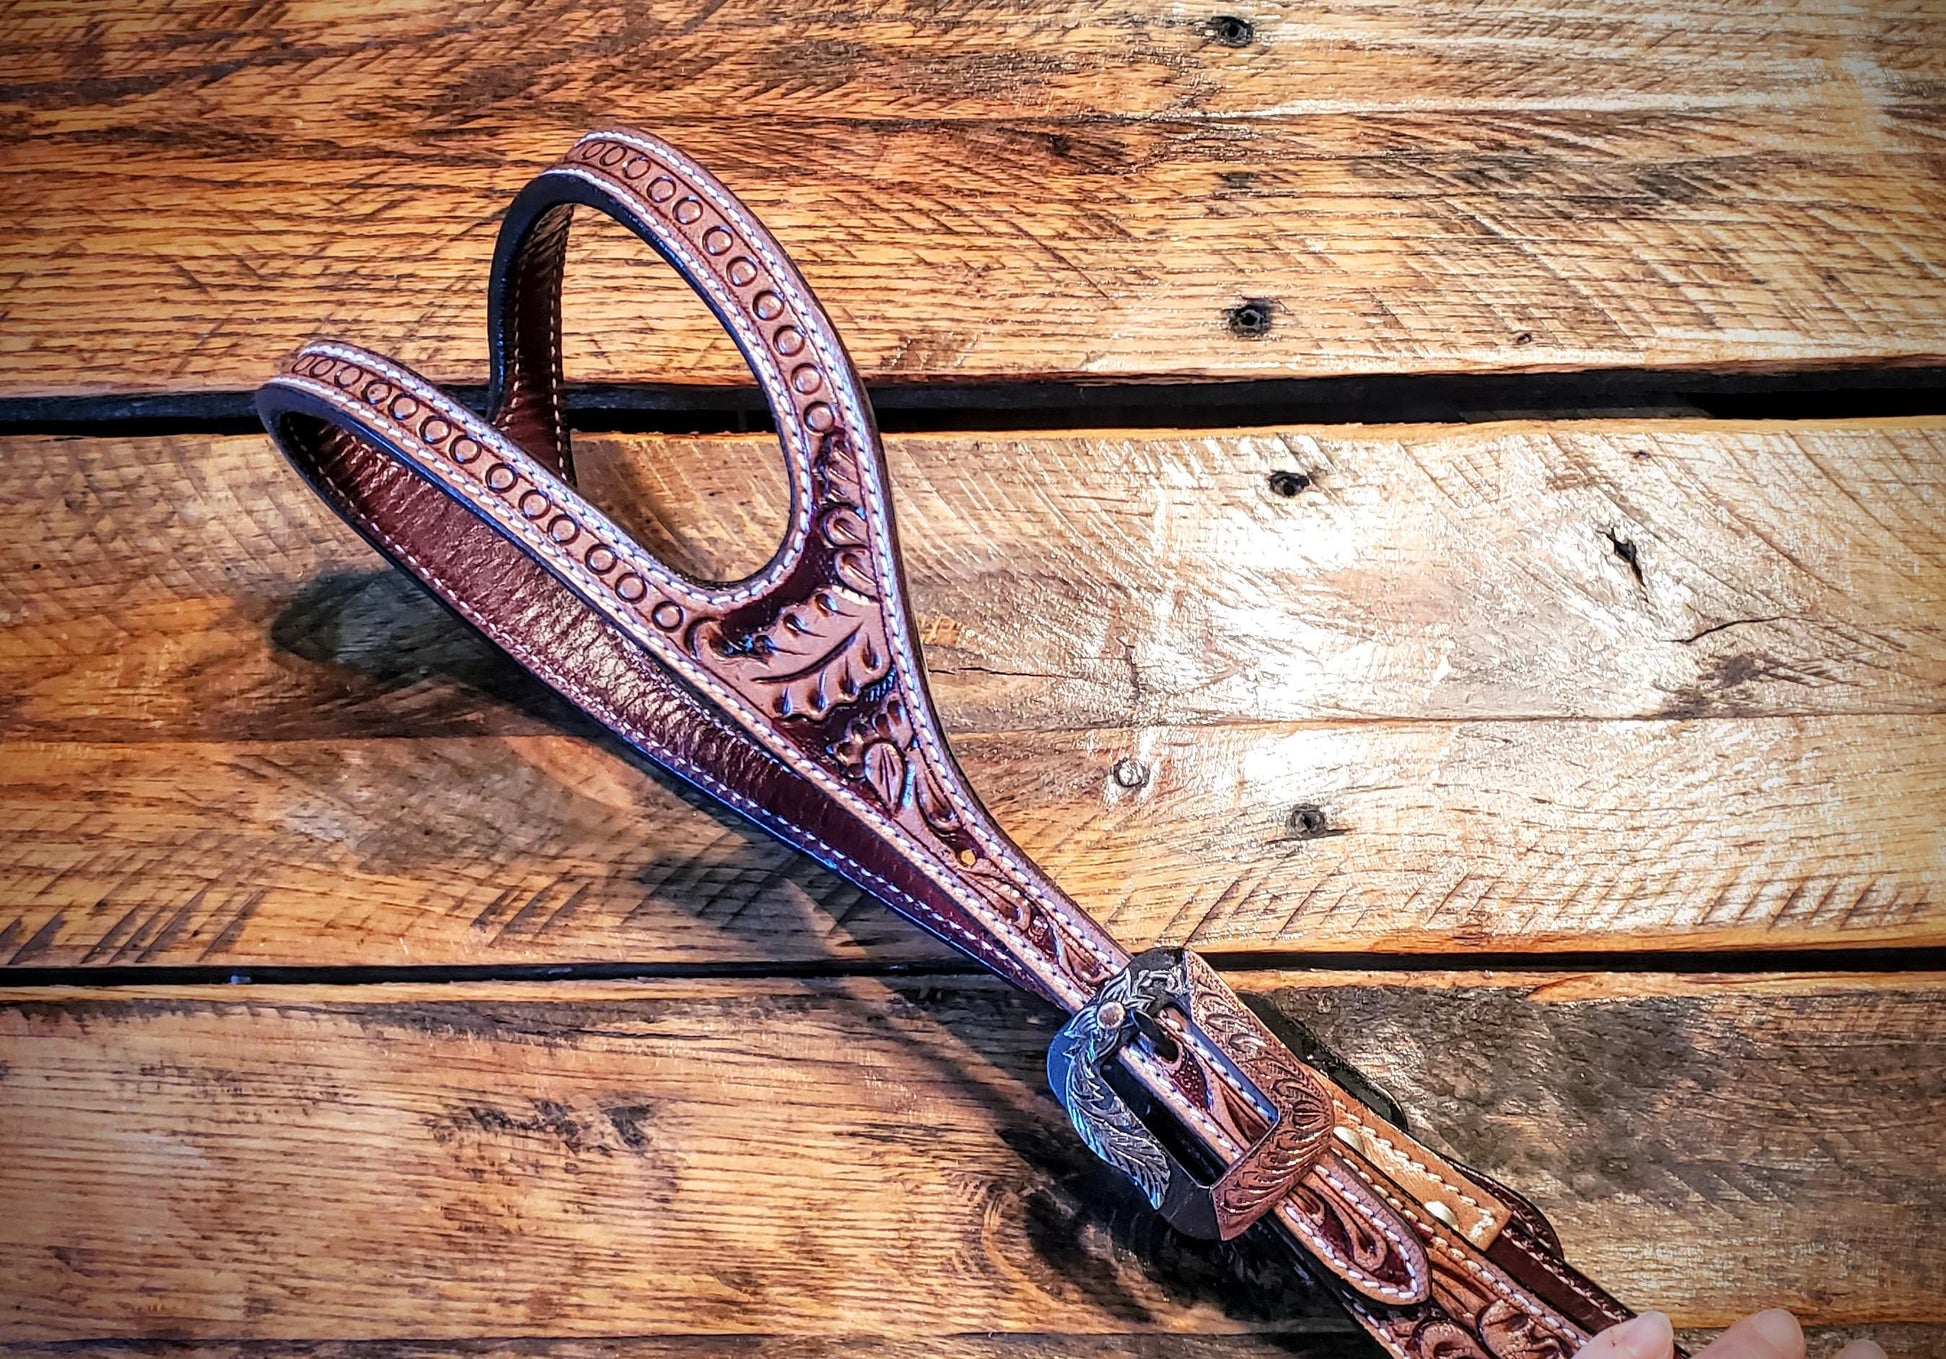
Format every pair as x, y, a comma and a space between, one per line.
1868, 392
1321, 1340
1703, 962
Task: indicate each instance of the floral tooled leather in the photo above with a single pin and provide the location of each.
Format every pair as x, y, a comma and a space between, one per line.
817, 646
797, 697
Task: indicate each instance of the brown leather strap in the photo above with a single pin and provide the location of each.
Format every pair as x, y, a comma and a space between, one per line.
364, 431
798, 698
797, 645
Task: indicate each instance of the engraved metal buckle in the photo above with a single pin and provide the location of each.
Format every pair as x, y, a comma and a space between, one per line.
1226, 1044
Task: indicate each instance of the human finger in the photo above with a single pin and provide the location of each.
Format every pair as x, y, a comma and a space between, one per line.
1648, 1336
1861, 1349
1767, 1335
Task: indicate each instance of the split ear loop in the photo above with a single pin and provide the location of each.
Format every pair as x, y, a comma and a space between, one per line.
483, 514
728, 258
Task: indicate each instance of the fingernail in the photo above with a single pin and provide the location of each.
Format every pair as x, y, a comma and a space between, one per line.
1862, 1349
1648, 1336
1779, 1330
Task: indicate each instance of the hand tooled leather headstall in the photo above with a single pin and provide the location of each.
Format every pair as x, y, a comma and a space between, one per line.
797, 697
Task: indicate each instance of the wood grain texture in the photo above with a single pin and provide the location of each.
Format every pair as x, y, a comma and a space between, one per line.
994, 189
859, 1158
234, 738
1899, 1341
191, 587
1772, 833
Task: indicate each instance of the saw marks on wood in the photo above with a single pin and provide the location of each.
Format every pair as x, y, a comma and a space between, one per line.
1522, 686
1741, 833
995, 191
187, 587
585, 1160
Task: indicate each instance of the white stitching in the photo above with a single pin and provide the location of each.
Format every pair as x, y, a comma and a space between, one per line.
1412, 1254
559, 268
838, 367
520, 392
550, 556
1543, 1314
1607, 1306
1487, 1218
574, 689
1229, 1147
794, 438
1215, 1062
1377, 1330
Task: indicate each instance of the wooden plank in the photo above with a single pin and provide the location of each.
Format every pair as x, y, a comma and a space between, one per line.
1759, 833
859, 1157
199, 765
996, 191
191, 588
1899, 1342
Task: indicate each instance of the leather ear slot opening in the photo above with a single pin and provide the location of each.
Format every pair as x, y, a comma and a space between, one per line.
749, 501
